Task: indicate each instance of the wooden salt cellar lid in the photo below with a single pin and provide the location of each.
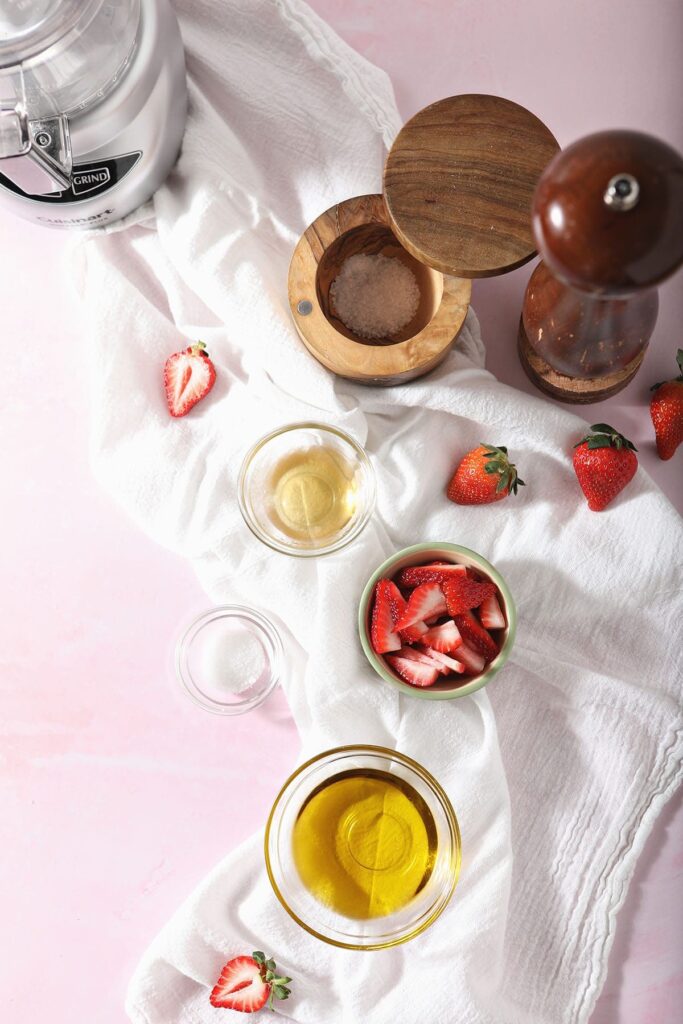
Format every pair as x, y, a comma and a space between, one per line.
459, 182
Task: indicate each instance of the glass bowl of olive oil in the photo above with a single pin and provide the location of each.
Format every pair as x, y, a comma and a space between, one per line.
362, 847
306, 489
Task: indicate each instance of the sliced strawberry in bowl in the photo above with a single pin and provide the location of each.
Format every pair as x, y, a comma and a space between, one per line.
419, 654
490, 614
464, 593
474, 634
442, 611
413, 634
444, 638
425, 601
413, 672
473, 661
435, 572
449, 663
383, 634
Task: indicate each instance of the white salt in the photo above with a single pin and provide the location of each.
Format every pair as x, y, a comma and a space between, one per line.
232, 659
375, 296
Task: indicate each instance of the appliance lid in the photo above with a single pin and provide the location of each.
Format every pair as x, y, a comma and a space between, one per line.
63, 56
459, 183
30, 27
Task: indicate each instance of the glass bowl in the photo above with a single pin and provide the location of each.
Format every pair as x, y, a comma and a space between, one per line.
419, 554
229, 659
370, 842
306, 489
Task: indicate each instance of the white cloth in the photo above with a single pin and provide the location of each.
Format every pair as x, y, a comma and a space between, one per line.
557, 790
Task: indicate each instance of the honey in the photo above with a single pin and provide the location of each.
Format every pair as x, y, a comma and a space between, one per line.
313, 493
365, 843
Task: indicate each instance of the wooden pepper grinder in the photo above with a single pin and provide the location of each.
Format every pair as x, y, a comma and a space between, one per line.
608, 221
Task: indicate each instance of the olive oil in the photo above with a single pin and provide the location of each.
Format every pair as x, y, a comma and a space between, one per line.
365, 843
313, 493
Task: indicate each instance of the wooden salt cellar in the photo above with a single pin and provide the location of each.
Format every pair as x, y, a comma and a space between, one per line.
608, 221
458, 186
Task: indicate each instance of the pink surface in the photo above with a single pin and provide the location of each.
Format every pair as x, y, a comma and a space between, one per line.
114, 787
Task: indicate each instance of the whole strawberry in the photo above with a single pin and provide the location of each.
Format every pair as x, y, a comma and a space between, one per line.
484, 475
604, 462
188, 376
666, 410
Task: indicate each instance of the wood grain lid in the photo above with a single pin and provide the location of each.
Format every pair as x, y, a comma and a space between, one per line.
459, 182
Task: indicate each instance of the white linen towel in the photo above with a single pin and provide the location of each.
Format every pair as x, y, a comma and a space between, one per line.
558, 769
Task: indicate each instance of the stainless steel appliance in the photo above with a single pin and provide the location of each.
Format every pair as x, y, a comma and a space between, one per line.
92, 107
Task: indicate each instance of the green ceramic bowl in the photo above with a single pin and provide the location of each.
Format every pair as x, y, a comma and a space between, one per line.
419, 554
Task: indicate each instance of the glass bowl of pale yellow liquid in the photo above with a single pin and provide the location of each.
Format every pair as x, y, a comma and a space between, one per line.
306, 489
362, 847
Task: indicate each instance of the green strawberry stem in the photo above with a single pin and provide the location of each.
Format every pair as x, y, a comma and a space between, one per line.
604, 436
497, 461
278, 986
679, 360
198, 349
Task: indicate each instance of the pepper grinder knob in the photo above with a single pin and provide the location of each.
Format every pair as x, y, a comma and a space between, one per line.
607, 219
608, 212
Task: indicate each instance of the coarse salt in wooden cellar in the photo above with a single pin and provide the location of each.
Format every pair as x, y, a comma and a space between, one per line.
458, 186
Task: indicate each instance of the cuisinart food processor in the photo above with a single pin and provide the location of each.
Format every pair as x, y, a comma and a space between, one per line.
92, 107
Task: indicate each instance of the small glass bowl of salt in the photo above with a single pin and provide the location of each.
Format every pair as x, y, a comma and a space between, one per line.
229, 659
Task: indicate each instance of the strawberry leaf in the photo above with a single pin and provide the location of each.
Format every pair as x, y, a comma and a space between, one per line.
604, 436
603, 428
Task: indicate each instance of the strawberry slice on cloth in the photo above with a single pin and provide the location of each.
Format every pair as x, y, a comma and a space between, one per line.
247, 983
188, 377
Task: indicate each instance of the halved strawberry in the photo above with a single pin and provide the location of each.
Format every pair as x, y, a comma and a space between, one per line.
247, 983
474, 634
490, 613
449, 663
444, 638
413, 672
463, 593
472, 660
435, 572
188, 376
425, 600
382, 632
